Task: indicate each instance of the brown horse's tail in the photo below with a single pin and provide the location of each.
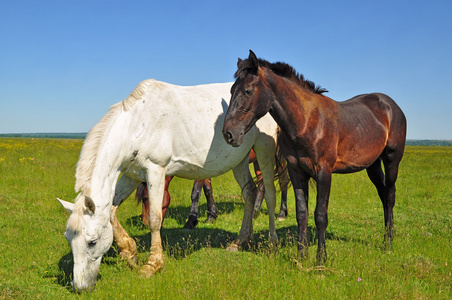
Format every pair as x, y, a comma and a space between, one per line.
142, 193
281, 172
142, 196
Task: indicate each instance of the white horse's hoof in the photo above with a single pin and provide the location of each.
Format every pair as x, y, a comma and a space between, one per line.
233, 248
130, 258
148, 270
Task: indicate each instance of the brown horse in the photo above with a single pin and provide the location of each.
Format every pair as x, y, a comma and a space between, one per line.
198, 185
319, 136
206, 185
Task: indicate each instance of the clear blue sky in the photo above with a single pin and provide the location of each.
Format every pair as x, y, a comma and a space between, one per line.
64, 63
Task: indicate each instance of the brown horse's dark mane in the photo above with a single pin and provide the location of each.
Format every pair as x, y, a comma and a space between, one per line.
281, 69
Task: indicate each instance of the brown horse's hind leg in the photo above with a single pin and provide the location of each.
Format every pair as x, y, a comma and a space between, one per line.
391, 163
377, 177
385, 184
323, 180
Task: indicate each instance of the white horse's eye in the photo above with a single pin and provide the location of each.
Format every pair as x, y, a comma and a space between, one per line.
92, 243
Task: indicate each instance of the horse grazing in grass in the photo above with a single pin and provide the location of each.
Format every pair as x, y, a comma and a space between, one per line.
160, 130
206, 184
319, 136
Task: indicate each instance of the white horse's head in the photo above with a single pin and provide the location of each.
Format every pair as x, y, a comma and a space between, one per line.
90, 235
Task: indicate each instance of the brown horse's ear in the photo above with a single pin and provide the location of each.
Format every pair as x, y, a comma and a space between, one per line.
89, 203
239, 62
253, 59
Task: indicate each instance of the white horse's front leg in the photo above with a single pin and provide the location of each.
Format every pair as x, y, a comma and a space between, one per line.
243, 177
266, 161
265, 149
156, 187
127, 245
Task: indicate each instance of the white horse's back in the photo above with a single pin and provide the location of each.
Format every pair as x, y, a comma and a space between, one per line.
179, 127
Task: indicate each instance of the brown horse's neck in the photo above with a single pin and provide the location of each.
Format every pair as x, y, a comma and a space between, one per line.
292, 106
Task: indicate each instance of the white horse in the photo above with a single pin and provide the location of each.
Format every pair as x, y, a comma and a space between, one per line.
159, 130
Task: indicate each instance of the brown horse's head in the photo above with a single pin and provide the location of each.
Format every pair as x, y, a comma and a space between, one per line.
248, 101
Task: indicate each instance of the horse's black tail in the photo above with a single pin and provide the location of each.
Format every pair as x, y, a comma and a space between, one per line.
281, 172
142, 193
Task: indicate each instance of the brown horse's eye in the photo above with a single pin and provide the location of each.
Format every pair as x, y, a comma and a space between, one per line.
248, 92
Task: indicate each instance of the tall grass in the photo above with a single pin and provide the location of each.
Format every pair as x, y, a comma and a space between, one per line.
36, 261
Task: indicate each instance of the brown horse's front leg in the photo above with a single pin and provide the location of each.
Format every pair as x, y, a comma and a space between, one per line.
321, 212
212, 212
301, 189
195, 195
302, 221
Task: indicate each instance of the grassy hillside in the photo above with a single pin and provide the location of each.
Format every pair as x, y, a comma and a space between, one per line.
35, 259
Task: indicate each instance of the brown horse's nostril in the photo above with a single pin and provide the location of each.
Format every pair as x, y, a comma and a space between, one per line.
228, 136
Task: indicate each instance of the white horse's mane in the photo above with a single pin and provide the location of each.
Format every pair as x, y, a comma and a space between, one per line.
90, 149
93, 141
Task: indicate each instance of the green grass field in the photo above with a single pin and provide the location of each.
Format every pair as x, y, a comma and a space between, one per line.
35, 258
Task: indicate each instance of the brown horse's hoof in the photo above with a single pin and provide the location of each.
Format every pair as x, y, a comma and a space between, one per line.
191, 223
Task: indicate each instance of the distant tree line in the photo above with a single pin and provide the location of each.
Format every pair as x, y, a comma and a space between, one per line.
428, 143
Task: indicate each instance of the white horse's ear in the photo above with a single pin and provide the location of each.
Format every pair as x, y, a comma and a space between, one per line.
67, 205
89, 203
